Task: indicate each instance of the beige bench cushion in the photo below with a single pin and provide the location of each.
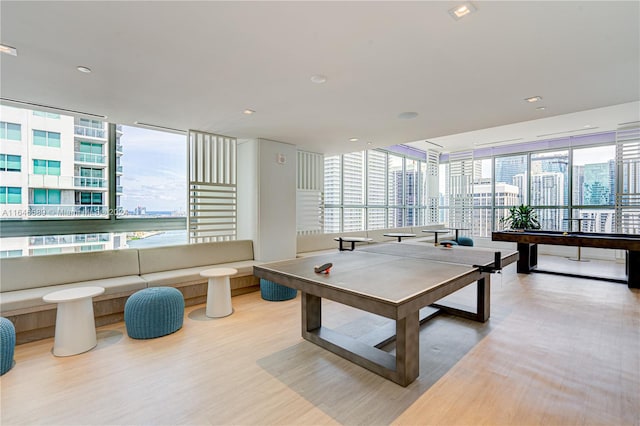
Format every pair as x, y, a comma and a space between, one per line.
26, 272
32, 297
175, 258
188, 276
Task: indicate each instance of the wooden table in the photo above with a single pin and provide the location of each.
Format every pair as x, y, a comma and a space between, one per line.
528, 240
392, 280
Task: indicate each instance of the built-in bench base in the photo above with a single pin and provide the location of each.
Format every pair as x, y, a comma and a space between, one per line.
37, 324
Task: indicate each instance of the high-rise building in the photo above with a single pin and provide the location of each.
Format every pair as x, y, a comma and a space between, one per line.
54, 166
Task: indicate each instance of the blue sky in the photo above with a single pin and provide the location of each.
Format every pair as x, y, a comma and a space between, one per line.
154, 170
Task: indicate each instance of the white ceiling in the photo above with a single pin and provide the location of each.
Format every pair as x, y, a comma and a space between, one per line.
198, 65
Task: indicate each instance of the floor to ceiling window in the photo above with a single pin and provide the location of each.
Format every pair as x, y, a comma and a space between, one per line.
578, 177
70, 172
376, 189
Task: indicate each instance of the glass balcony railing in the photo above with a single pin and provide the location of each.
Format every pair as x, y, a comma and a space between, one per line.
57, 240
85, 157
119, 189
66, 210
89, 132
118, 169
119, 148
90, 182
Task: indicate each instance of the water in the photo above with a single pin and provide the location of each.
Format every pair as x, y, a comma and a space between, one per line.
166, 238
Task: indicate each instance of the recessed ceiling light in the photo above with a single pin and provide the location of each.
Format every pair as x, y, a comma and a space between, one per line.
541, 108
248, 111
533, 99
318, 79
462, 10
369, 143
353, 140
408, 115
83, 69
8, 50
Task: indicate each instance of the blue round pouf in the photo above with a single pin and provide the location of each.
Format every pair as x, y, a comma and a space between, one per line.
465, 241
7, 344
276, 292
154, 312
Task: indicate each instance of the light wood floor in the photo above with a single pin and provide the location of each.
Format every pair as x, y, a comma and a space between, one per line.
556, 351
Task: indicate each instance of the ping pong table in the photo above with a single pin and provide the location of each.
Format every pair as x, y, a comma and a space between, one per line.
395, 281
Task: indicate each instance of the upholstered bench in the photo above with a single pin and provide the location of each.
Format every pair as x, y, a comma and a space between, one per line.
154, 312
275, 292
7, 344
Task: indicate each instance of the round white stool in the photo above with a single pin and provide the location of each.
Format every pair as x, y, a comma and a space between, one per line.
219, 291
75, 325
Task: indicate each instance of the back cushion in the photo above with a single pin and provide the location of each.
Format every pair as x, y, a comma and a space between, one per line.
18, 273
190, 255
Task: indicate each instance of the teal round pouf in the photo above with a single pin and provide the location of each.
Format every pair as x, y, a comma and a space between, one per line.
154, 312
7, 345
465, 241
276, 292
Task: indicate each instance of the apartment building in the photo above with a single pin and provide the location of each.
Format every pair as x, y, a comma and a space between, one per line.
55, 166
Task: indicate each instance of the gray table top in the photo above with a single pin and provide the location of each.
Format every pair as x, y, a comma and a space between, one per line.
390, 272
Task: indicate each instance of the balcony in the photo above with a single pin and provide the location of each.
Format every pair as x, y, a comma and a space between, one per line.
119, 149
89, 132
90, 182
51, 182
119, 169
85, 157
66, 210
119, 189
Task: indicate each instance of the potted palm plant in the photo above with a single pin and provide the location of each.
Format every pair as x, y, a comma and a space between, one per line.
521, 217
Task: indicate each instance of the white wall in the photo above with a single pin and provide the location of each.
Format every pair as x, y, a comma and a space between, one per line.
267, 197
247, 180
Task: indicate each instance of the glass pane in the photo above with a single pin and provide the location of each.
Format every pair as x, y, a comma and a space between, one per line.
377, 218
39, 196
54, 139
54, 196
481, 222
40, 167
511, 174
411, 186
53, 168
395, 182
331, 219
353, 179
552, 219
13, 163
549, 180
353, 219
483, 197
593, 220
332, 186
594, 172
39, 138
395, 217
13, 132
443, 183
376, 175
151, 182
